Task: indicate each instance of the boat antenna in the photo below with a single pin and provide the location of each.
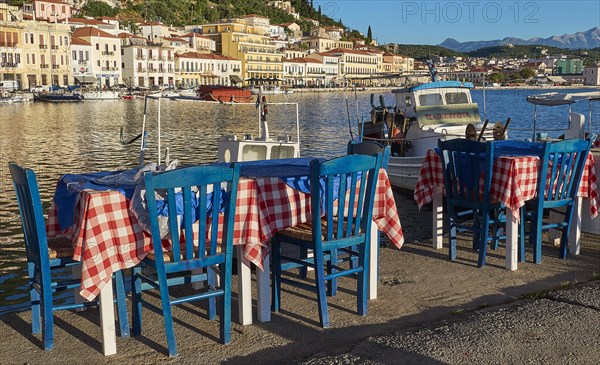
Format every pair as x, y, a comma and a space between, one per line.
484, 106
348, 110
143, 143
356, 105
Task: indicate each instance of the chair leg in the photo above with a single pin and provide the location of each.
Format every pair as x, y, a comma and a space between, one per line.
320, 283
212, 303
452, 240
303, 271
564, 239
362, 293
121, 303
226, 302
35, 300
476, 234
483, 239
332, 283
536, 236
47, 316
167, 314
136, 301
275, 275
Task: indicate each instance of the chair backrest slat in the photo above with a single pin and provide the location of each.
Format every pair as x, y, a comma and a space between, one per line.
32, 216
350, 183
561, 169
370, 148
467, 167
199, 178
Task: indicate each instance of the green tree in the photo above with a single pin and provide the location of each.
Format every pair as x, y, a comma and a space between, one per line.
369, 35
319, 16
526, 73
497, 77
98, 8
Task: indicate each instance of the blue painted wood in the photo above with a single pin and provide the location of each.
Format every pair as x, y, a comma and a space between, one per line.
40, 266
191, 253
564, 162
353, 172
465, 163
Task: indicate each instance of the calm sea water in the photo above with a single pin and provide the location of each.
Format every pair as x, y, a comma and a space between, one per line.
55, 139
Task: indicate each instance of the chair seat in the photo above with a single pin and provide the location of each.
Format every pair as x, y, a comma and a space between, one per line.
60, 248
303, 231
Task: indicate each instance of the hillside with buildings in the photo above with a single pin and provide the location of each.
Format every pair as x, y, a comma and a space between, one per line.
184, 43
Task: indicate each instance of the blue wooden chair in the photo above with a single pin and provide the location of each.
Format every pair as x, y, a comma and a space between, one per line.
193, 259
46, 259
559, 176
370, 148
332, 230
466, 163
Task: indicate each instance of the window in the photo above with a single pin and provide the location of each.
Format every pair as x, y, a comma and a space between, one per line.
75, 55
430, 99
31, 38
27, 58
97, 46
81, 56
456, 98
114, 47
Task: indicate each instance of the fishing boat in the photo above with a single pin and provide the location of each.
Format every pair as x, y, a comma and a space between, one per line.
13, 97
59, 95
269, 90
101, 94
264, 147
423, 114
224, 94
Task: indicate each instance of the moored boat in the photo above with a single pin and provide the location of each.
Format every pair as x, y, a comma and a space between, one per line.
269, 90
58, 97
423, 114
101, 94
224, 94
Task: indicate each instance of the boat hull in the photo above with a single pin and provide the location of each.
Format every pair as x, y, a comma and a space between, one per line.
56, 98
224, 94
403, 172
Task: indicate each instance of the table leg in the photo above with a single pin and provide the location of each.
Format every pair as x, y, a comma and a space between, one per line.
438, 218
373, 261
575, 233
107, 320
76, 274
244, 287
512, 237
263, 291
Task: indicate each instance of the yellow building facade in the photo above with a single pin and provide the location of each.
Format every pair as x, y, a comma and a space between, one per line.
11, 53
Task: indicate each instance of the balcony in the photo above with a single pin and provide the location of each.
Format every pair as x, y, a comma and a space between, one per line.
43, 46
9, 44
82, 62
141, 70
108, 53
44, 65
140, 58
55, 67
9, 64
54, 47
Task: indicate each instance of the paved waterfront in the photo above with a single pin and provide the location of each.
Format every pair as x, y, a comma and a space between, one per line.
429, 311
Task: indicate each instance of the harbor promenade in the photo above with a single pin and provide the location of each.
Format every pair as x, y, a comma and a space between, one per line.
428, 311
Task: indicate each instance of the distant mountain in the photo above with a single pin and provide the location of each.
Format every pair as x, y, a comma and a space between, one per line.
580, 40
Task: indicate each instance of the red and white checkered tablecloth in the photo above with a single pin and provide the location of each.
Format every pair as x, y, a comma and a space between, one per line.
514, 181
107, 236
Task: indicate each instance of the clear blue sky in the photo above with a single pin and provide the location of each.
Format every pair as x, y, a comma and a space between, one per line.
431, 22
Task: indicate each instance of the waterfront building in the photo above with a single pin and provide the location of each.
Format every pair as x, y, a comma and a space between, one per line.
331, 68
294, 71
247, 39
285, 6
394, 63
46, 52
83, 74
295, 32
591, 75
146, 64
11, 51
293, 52
322, 44
569, 66
194, 68
200, 44
50, 10
356, 65
105, 56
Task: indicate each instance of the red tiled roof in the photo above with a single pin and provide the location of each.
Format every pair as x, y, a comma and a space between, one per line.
343, 50
92, 32
174, 39
52, 1
129, 35
80, 42
83, 21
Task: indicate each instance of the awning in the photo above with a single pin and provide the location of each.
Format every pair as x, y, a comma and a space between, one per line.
86, 79
235, 78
